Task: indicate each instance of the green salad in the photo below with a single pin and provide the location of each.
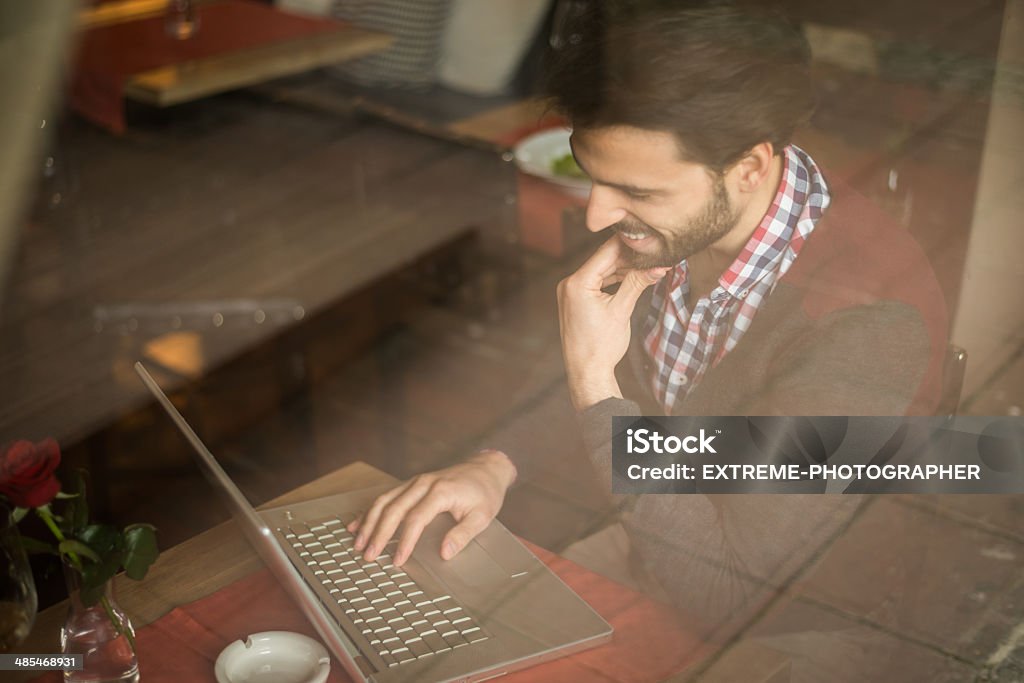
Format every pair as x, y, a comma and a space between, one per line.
566, 165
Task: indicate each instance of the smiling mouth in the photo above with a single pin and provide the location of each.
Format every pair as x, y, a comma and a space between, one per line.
634, 235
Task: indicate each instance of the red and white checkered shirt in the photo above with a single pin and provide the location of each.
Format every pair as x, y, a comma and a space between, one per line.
683, 345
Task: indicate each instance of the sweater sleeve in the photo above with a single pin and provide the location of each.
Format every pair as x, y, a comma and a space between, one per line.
596, 427
540, 436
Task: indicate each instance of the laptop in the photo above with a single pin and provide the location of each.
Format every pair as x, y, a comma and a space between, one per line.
492, 609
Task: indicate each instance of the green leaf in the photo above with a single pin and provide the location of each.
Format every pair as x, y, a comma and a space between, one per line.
140, 550
65, 496
105, 541
18, 514
108, 544
37, 547
70, 545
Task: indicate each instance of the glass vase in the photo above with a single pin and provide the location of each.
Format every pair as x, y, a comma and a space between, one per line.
18, 600
101, 633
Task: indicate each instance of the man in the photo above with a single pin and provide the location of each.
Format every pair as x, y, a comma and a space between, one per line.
776, 290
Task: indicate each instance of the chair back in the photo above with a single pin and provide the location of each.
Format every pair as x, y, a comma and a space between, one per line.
952, 381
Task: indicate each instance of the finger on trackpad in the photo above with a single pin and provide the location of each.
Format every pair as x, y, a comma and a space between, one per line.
473, 567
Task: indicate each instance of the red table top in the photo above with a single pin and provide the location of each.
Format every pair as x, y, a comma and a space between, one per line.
109, 55
649, 643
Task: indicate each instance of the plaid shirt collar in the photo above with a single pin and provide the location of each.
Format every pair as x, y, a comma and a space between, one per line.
684, 346
780, 236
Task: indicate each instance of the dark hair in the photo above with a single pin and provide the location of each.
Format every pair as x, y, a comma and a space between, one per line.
722, 79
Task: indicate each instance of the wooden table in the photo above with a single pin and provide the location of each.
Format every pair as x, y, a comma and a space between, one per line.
170, 85
118, 11
218, 557
197, 78
196, 568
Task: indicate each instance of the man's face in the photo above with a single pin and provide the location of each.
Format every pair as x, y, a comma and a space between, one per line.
663, 208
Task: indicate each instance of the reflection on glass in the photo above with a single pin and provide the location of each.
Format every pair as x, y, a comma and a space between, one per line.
182, 19
17, 590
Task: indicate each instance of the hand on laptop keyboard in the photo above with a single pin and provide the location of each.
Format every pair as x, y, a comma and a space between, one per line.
402, 619
472, 492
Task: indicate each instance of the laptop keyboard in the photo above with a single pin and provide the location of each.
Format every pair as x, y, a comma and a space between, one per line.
401, 620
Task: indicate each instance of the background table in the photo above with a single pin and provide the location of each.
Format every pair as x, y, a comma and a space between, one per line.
236, 43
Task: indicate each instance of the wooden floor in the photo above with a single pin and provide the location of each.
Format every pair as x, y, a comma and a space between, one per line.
221, 230
319, 286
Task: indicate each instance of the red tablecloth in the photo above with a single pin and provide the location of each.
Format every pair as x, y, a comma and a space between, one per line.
108, 55
649, 643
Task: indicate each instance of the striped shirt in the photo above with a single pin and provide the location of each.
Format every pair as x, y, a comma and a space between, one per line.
684, 344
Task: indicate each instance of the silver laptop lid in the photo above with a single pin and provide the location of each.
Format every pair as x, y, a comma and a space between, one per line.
261, 537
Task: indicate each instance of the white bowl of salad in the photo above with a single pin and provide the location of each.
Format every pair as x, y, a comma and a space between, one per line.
546, 154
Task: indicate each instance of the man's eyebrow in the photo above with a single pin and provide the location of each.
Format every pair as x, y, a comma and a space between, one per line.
623, 187
630, 189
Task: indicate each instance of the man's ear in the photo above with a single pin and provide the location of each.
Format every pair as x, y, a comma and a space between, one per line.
754, 168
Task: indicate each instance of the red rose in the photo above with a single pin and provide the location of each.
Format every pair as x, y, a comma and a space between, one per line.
26, 473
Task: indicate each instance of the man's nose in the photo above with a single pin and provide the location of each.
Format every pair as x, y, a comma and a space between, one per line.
603, 209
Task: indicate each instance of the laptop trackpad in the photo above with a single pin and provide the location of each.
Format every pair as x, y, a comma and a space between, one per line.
473, 566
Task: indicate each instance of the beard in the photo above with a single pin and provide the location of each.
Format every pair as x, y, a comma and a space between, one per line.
699, 232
